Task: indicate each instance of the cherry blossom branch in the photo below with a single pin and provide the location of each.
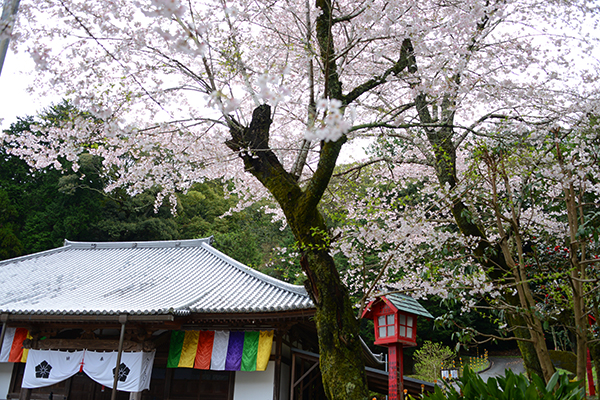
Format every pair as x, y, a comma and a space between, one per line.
110, 54
406, 60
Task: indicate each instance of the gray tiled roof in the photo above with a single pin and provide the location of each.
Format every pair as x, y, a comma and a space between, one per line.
408, 304
140, 278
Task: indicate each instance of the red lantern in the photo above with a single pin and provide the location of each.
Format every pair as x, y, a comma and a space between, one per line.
395, 318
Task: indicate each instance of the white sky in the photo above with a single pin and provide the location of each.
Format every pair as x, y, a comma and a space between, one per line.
15, 101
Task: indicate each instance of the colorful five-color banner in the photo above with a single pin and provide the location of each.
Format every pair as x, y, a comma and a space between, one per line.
220, 350
12, 347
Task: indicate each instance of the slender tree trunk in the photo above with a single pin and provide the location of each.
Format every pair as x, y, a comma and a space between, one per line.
516, 267
495, 262
527, 303
576, 250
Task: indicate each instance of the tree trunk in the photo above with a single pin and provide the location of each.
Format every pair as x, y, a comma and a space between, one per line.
577, 249
337, 328
445, 164
527, 304
342, 370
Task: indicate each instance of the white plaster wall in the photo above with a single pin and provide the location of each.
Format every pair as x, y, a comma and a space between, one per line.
5, 374
284, 389
255, 385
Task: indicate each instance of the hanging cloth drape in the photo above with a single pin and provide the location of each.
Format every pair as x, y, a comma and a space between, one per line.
47, 367
220, 350
134, 372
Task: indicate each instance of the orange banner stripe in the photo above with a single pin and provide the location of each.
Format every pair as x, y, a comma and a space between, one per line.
204, 352
16, 351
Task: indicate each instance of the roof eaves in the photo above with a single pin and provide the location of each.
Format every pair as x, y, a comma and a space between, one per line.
257, 274
139, 245
34, 255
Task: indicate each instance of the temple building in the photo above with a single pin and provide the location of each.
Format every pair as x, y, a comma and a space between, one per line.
163, 320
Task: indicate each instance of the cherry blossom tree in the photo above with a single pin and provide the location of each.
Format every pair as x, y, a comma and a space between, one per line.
532, 194
441, 105
268, 93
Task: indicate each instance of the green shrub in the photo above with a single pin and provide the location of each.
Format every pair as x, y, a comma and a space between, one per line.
509, 387
429, 360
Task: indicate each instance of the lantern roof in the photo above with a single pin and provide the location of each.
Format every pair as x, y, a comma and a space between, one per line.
400, 302
407, 304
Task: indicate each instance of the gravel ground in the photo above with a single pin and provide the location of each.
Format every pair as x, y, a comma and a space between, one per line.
499, 364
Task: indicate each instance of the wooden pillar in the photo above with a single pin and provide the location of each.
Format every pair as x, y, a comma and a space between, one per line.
169, 382
277, 373
123, 321
293, 376
4, 320
25, 394
395, 372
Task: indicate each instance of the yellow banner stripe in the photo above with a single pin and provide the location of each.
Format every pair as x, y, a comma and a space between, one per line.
188, 351
26, 351
265, 342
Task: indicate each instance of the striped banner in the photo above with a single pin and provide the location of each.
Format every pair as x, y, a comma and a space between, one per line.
12, 347
220, 350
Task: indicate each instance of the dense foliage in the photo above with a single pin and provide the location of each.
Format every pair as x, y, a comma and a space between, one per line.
42, 208
509, 387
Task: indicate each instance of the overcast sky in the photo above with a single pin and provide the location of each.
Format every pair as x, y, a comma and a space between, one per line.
17, 74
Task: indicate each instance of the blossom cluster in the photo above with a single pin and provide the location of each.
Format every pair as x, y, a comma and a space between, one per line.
165, 8
333, 125
271, 89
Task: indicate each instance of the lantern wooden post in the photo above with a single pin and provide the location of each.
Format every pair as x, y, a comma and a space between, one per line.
395, 372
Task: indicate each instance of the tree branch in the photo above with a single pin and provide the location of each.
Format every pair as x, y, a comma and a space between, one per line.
405, 61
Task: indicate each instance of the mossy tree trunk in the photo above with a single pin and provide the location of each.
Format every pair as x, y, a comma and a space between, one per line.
444, 151
337, 327
577, 250
440, 133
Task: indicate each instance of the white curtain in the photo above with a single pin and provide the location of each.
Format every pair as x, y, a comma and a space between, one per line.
47, 367
135, 369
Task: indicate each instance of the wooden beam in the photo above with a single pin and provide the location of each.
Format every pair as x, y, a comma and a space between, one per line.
79, 318
315, 365
92, 344
277, 373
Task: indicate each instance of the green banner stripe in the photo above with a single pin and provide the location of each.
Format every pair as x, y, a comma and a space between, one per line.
175, 348
250, 351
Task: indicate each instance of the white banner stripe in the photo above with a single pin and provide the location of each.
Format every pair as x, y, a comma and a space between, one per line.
7, 344
219, 353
